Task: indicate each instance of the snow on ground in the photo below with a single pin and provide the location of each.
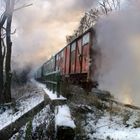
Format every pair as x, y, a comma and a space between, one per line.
52, 96
22, 106
42, 117
134, 117
63, 116
20, 134
111, 129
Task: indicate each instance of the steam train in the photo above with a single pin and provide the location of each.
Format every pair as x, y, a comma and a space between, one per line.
75, 63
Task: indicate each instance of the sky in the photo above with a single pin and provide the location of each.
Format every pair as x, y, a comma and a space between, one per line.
41, 29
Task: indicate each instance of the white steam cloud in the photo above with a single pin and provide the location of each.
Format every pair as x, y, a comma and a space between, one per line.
119, 40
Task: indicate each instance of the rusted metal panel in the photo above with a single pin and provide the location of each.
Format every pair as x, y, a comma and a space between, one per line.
73, 57
86, 51
85, 59
79, 56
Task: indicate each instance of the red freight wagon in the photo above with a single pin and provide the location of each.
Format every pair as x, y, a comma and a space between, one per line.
77, 56
75, 62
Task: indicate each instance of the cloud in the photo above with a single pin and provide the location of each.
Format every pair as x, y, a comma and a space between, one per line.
42, 28
118, 38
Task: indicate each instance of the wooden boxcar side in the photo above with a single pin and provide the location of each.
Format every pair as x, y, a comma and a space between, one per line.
73, 62
79, 56
85, 54
73, 58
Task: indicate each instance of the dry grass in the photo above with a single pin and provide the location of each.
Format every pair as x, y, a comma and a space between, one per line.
25, 90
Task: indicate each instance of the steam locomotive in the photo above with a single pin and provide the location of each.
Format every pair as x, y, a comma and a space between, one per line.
75, 64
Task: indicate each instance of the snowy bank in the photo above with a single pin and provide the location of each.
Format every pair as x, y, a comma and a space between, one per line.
23, 106
63, 116
52, 96
115, 129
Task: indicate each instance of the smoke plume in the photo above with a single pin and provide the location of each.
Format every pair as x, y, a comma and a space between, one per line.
119, 40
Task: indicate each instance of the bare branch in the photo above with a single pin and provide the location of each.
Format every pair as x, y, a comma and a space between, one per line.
113, 3
4, 49
104, 7
13, 32
5, 14
4, 34
109, 5
91, 17
23, 6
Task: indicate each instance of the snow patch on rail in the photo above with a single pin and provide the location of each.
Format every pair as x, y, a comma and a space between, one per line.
52, 96
63, 116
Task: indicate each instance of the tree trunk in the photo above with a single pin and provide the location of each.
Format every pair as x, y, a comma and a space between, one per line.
3, 20
8, 53
1, 71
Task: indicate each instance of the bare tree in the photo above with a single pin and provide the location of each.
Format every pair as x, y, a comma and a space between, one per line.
108, 6
5, 51
87, 21
8, 73
104, 7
